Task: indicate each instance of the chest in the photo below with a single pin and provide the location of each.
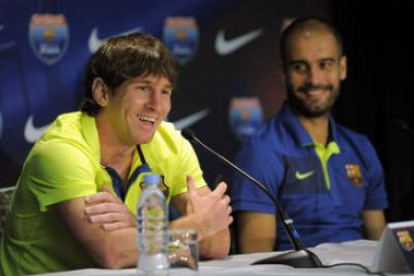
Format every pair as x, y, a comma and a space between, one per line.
309, 181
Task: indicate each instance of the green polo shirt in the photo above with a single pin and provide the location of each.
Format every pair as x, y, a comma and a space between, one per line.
64, 164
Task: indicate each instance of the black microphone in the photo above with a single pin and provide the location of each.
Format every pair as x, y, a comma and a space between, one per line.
403, 126
301, 257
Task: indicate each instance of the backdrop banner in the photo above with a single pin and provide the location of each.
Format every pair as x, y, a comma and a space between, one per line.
223, 49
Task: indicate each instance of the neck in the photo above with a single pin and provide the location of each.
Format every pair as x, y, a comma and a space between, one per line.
318, 128
114, 153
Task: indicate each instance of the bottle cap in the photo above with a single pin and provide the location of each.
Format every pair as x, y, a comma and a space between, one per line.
151, 179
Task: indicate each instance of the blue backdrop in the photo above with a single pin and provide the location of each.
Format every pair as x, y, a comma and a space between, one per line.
224, 50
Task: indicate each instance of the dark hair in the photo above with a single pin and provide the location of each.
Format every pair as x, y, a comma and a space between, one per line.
300, 24
124, 57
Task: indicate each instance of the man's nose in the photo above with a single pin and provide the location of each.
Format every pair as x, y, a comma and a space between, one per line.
154, 98
315, 76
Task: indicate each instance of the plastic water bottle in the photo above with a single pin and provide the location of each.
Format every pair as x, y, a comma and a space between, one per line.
152, 223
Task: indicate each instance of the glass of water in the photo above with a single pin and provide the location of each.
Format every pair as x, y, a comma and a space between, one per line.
183, 252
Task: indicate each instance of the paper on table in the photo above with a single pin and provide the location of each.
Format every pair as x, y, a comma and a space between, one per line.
359, 251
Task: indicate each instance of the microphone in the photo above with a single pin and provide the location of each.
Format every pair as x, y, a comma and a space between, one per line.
301, 257
403, 126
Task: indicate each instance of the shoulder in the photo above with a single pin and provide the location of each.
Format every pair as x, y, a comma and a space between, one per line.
66, 127
167, 131
62, 142
168, 136
264, 145
167, 141
271, 136
358, 143
266, 132
345, 133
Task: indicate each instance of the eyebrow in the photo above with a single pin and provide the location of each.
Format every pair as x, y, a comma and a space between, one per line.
146, 81
327, 59
306, 62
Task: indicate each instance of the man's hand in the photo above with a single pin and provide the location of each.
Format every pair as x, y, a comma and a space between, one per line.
109, 210
212, 209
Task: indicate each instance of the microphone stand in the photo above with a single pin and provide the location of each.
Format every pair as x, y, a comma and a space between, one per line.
403, 126
301, 257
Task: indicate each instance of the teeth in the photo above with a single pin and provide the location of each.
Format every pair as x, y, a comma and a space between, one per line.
147, 119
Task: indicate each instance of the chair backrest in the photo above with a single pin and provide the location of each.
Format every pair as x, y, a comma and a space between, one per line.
5, 199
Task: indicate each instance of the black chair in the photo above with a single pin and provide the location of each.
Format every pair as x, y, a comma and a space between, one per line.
6, 195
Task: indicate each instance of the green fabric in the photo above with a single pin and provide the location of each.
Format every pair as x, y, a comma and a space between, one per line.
63, 165
324, 153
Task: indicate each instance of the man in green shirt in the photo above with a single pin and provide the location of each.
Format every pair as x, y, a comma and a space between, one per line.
75, 201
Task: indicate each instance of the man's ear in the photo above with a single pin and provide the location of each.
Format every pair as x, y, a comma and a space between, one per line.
281, 68
343, 68
100, 92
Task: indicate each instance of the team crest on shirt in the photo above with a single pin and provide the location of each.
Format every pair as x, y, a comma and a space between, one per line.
163, 187
405, 240
354, 174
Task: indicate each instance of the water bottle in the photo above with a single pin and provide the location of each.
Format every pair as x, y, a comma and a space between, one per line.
152, 224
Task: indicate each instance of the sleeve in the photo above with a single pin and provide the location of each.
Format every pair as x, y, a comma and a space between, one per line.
57, 172
376, 198
175, 159
265, 166
188, 164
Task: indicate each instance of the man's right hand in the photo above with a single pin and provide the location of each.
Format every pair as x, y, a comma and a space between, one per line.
212, 209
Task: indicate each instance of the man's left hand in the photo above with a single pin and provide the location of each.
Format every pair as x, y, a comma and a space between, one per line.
107, 209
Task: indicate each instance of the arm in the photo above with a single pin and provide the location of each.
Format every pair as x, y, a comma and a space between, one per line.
61, 184
105, 208
376, 197
374, 223
208, 212
203, 210
256, 232
109, 249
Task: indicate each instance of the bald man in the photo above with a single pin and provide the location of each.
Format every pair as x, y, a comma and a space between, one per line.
327, 177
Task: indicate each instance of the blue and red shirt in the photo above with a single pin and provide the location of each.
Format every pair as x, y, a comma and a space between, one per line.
323, 188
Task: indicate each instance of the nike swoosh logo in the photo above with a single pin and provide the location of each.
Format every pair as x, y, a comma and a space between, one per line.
301, 176
32, 133
191, 119
95, 42
225, 47
7, 45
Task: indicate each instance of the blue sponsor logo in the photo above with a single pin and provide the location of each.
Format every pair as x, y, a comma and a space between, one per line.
181, 36
48, 36
245, 116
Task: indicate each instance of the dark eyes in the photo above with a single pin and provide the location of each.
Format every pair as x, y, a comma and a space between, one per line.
328, 64
303, 67
148, 88
300, 68
144, 88
166, 92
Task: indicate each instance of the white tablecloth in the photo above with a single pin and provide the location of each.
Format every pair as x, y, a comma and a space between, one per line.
359, 252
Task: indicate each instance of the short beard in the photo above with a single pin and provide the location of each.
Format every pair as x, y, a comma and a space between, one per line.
300, 107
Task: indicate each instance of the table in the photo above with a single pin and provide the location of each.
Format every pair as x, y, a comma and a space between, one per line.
360, 252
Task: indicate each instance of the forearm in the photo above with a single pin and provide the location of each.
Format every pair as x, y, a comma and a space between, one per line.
216, 246
109, 249
374, 223
120, 249
256, 232
374, 232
